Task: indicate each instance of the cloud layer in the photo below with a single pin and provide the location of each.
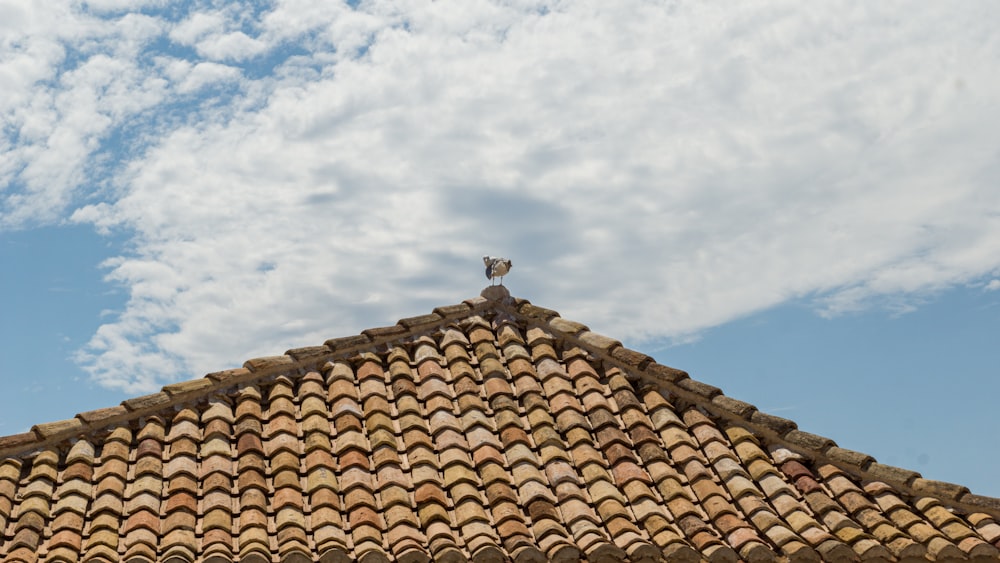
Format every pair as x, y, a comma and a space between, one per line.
305, 171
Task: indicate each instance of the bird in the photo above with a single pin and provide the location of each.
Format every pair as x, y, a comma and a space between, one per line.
496, 267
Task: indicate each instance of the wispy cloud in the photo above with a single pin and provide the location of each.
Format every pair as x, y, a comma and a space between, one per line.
297, 172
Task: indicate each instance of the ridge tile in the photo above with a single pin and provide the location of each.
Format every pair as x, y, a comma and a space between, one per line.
268, 363
98, 417
189, 387
147, 402
62, 428
308, 353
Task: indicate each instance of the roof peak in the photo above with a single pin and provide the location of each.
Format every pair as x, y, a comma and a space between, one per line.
497, 293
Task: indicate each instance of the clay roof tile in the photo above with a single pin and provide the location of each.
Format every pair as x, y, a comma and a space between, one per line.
515, 435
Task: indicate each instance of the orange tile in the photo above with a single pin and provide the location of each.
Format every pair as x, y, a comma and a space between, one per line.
498, 436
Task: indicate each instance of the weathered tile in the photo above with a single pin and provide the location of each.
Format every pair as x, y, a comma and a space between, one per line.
496, 436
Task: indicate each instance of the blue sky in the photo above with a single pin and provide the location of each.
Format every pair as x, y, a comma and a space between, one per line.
797, 205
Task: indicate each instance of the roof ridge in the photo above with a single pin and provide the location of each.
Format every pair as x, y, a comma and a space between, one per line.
776, 429
253, 370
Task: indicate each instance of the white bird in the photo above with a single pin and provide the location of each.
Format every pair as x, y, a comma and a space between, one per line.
496, 267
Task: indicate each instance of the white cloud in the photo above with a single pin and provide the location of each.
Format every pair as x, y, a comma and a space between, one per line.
191, 78
216, 35
993, 285
235, 46
652, 170
68, 78
118, 5
197, 26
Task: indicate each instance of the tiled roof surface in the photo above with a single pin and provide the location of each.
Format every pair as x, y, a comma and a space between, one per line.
492, 430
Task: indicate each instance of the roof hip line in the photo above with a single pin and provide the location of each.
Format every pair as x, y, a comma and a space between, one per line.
252, 371
776, 429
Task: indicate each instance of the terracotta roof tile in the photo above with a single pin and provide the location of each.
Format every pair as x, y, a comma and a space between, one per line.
61, 428
268, 363
146, 403
486, 431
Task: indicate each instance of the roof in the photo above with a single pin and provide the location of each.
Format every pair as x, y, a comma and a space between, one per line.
490, 430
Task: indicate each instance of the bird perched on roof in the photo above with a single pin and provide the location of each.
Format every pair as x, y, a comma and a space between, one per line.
496, 267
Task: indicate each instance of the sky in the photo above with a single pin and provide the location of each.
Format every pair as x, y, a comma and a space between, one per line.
798, 203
